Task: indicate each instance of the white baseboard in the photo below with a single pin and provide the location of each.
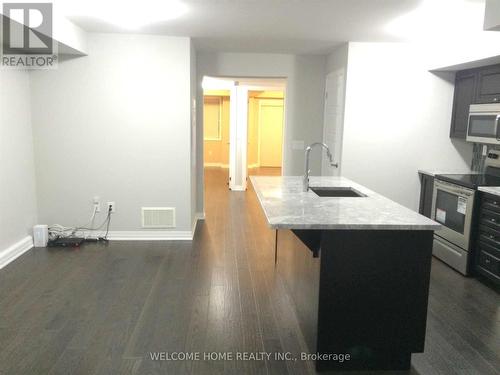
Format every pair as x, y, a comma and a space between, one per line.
15, 251
216, 165
153, 235
149, 235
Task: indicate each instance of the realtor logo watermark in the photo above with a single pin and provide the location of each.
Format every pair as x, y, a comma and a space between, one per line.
27, 36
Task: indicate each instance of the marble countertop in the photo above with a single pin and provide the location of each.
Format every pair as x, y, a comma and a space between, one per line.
495, 190
433, 172
286, 206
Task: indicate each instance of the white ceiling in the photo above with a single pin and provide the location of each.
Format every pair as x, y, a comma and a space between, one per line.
288, 26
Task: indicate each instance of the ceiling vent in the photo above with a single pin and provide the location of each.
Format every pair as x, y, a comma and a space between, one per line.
158, 217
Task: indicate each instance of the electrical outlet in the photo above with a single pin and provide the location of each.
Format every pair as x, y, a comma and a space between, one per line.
111, 207
97, 204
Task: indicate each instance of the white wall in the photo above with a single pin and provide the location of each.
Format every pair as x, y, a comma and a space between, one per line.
193, 134
492, 15
303, 103
458, 55
397, 120
17, 170
336, 78
460, 39
115, 124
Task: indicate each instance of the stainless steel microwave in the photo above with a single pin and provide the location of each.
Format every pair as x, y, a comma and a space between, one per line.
484, 124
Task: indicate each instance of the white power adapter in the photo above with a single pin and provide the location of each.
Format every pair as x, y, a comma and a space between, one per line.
40, 235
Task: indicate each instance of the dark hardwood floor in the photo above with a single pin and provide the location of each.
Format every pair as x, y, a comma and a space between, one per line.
264, 171
105, 309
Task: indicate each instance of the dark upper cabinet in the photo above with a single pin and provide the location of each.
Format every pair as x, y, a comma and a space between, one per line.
465, 95
488, 85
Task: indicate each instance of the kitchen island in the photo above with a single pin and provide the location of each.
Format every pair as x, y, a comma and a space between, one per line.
357, 267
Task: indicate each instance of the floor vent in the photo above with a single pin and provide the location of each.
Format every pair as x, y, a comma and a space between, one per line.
158, 217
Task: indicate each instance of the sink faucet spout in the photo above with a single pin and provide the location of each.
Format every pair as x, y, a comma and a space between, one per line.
305, 184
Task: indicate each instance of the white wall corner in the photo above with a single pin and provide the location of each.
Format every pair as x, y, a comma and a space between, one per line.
197, 217
72, 40
16, 250
492, 15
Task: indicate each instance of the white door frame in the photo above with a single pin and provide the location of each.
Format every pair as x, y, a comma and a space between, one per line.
238, 123
238, 128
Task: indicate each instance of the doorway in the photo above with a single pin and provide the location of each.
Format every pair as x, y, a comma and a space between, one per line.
265, 132
243, 128
216, 128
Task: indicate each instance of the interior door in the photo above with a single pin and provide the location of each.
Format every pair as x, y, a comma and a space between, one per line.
212, 130
271, 133
225, 132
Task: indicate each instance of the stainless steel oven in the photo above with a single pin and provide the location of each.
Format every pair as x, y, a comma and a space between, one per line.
452, 206
484, 123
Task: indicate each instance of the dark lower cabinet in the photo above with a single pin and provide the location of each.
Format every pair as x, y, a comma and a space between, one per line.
487, 244
426, 191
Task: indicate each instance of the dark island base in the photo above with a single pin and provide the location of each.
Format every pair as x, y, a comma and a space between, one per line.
379, 361
365, 294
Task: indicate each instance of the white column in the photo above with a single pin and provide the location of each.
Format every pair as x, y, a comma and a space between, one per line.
238, 138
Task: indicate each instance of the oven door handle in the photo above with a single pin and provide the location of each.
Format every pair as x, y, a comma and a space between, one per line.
497, 122
449, 188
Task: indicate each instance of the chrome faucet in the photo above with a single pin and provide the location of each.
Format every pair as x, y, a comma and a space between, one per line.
305, 183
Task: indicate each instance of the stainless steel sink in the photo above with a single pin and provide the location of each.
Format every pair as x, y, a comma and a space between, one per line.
328, 191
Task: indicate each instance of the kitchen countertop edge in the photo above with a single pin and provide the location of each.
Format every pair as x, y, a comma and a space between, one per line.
278, 222
494, 190
434, 172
